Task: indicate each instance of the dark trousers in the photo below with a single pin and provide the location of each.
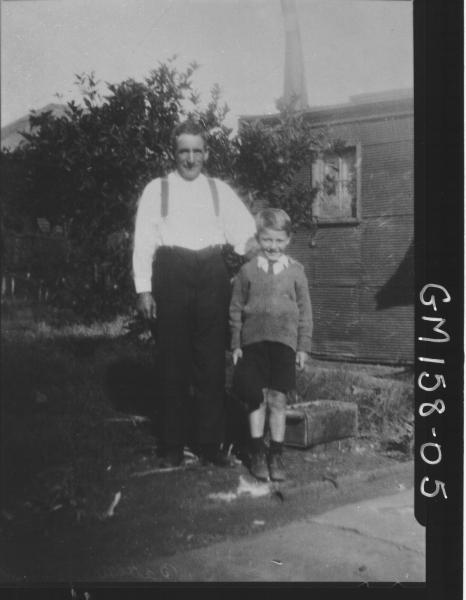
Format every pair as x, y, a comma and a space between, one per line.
192, 293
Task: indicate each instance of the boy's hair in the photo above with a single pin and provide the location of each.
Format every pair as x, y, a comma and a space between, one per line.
190, 127
273, 218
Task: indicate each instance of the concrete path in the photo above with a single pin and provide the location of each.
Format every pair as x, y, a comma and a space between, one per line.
374, 540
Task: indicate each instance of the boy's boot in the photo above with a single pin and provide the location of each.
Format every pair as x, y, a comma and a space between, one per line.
275, 460
258, 466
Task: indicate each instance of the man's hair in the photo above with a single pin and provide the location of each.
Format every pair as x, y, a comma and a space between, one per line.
273, 218
190, 127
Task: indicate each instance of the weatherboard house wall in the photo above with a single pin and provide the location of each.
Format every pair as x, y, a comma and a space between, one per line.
361, 273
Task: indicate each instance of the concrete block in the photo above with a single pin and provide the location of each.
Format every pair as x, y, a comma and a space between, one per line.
320, 421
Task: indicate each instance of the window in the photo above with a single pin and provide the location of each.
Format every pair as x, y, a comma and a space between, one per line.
336, 176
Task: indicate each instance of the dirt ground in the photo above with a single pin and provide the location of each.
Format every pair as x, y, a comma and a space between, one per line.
84, 495
160, 513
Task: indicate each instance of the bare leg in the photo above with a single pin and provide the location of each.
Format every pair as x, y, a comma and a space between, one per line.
257, 421
276, 402
258, 466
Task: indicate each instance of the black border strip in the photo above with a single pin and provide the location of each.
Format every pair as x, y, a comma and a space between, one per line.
439, 225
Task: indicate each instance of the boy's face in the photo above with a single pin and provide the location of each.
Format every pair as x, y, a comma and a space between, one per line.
273, 243
190, 154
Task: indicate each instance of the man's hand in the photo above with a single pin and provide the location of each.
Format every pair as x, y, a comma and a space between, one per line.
146, 306
237, 354
301, 358
252, 249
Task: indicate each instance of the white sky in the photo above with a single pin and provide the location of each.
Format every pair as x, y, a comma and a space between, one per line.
349, 47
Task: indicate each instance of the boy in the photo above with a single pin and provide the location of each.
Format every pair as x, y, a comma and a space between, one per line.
271, 327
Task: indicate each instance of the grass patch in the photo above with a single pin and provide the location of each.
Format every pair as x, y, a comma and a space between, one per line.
385, 403
64, 392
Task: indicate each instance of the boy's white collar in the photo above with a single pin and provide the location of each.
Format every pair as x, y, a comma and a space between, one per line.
282, 263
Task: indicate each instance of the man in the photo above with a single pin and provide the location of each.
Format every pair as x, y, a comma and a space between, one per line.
185, 219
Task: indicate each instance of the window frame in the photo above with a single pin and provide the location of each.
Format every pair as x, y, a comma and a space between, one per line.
357, 218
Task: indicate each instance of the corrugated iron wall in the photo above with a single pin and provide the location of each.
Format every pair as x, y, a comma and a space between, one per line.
361, 275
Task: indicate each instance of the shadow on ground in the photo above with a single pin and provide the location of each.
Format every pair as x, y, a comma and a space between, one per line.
131, 387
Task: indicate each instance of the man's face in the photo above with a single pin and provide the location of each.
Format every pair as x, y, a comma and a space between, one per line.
190, 154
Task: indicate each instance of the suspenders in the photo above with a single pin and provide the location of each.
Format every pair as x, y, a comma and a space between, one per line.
164, 204
214, 192
164, 197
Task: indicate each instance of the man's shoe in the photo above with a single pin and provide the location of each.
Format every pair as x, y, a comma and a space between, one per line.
217, 458
259, 467
173, 457
276, 467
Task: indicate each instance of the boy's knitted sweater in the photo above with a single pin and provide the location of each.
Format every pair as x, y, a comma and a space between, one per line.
271, 307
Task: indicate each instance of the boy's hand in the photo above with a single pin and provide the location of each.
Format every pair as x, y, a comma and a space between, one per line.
237, 354
301, 358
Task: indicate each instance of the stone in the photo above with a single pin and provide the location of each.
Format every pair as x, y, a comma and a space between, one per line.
320, 421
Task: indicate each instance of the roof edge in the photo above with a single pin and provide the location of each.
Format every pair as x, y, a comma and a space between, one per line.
361, 106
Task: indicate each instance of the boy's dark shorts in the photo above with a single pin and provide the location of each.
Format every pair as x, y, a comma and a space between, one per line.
264, 365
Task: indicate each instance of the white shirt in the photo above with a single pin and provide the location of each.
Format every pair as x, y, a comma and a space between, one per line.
190, 223
277, 266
